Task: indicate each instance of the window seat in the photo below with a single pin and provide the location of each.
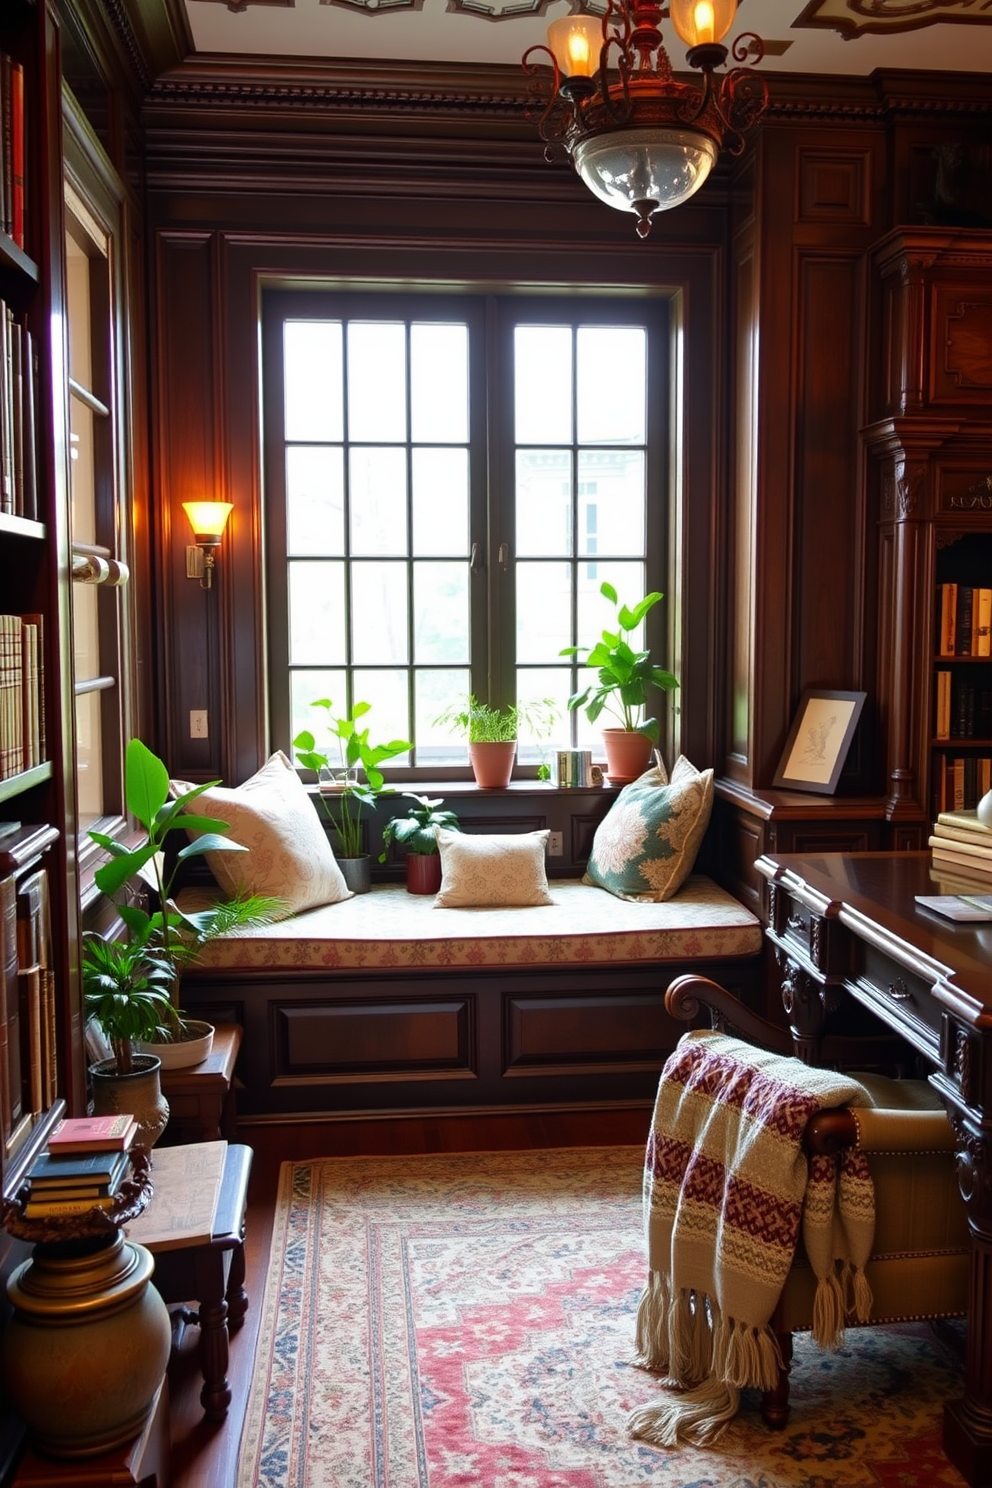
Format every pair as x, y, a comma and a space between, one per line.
383, 1003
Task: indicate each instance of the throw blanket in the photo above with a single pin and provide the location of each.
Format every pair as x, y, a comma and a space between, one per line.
726, 1188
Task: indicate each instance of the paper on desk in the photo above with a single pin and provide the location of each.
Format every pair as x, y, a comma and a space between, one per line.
186, 1184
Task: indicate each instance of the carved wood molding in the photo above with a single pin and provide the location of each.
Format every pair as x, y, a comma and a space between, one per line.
886, 17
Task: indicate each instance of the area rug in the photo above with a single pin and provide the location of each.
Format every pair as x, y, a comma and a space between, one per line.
468, 1322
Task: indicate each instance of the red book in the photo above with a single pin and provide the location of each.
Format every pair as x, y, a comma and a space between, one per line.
17, 153
93, 1134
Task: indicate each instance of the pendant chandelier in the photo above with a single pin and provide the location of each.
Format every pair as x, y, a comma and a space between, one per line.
642, 141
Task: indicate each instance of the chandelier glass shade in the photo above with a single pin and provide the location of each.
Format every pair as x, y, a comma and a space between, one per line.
641, 140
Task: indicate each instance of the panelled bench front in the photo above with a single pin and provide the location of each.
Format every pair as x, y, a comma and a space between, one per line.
386, 1003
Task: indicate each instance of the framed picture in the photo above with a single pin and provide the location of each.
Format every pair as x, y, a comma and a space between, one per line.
819, 739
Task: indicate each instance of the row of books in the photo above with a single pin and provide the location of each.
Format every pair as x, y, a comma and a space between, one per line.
13, 176
86, 1161
18, 426
964, 620
29, 1081
22, 694
962, 709
960, 844
960, 781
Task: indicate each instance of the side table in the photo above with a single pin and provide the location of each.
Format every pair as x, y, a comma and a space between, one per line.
202, 1105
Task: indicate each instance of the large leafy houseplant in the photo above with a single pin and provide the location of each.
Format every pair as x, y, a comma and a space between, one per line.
416, 830
354, 752
131, 987
625, 677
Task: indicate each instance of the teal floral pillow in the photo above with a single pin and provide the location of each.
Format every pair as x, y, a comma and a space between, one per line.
646, 845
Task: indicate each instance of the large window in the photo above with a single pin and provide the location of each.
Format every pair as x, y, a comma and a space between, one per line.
448, 482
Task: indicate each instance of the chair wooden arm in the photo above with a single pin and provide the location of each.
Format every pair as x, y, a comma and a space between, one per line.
690, 996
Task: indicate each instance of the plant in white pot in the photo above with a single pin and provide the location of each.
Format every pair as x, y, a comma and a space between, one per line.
338, 782
624, 681
492, 733
417, 833
123, 980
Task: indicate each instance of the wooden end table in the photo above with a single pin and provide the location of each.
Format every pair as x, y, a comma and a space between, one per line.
211, 1273
201, 1099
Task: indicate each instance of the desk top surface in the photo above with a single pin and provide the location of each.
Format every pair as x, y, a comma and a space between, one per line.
873, 895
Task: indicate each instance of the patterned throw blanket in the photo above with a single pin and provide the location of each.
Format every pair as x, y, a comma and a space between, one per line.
726, 1191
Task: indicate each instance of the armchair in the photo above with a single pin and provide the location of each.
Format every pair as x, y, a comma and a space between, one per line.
920, 1258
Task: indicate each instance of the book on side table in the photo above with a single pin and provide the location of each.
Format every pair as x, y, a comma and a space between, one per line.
962, 907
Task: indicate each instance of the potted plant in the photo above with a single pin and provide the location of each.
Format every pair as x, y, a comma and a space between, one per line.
625, 678
492, 734
125, 983
338, 778
416, 831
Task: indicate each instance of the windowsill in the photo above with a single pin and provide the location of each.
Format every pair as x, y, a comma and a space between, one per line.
469, 788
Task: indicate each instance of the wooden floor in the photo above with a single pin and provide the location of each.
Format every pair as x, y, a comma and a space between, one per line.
205, 1455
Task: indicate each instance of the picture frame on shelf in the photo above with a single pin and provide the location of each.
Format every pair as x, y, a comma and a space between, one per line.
819, 740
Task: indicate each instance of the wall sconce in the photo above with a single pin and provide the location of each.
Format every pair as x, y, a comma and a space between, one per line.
208, 520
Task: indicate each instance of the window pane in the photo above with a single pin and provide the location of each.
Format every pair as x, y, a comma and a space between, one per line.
544, 606
376, 381
439, 383
313, 400
611, 502
441, 613
611, 382
315, 499
390, 715
440, 501
434, 693
305, 688
535, 686
379, 614
317, 634
542, 375
378, 500
544, 503
595, 613
89, 755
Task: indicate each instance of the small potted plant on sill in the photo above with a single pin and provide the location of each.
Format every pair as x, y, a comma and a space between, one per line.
492, 733
123, 980
337, 781
417, 832
625, 679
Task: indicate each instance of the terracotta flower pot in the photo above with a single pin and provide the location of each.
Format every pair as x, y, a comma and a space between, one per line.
423, 872
628, 755
492, 764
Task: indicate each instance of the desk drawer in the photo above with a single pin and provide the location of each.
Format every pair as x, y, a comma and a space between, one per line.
908, 1003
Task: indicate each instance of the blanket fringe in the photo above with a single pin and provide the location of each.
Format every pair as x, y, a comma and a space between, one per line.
651, 1333
699, 1416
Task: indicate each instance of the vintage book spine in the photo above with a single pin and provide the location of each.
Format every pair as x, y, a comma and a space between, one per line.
980, 867
11, 1108
970, 849
94, 1133
943, 705
30, 482
6, 139
948, 616
32, 1043
981, 632
6, 435
979, 839
17, 413
962, 628
46, 1209
18, 184
84, 1167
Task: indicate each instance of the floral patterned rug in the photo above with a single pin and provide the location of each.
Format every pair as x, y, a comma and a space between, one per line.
467, 1322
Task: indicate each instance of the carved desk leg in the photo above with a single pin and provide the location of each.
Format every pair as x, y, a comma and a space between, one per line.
807, 1003
968, 1421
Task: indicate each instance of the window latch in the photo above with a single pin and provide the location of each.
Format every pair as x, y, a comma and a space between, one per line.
503, 557
475, 562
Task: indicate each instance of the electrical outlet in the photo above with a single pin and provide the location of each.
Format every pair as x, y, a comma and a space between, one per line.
555, 845
198, 723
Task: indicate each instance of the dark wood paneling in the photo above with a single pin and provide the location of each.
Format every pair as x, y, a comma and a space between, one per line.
369, 1039
577, 1034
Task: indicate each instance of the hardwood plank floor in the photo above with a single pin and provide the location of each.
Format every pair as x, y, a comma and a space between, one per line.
204, 1455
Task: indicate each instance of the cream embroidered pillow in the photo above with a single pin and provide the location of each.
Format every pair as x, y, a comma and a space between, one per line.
646, 845
289, 856
481, 871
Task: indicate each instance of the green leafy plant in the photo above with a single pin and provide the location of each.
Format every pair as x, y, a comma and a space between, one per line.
132, 987
625, 676
354, 752
484, 723
416, 830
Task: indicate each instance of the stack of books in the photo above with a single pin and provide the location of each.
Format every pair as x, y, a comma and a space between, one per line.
85, 1164
960, 845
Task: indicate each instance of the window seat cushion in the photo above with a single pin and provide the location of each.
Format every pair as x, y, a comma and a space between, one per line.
390, 929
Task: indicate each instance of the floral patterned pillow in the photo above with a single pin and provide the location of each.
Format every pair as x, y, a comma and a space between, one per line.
483, 870
646, 845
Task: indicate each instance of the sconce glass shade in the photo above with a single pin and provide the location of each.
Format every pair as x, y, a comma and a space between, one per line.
701, 22
645, 170
208, 520
575, 42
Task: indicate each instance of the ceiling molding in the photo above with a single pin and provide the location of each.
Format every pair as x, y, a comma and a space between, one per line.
888, 17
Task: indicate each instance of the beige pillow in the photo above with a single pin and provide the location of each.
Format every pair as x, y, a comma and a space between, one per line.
288, 857
481, 871
646, 845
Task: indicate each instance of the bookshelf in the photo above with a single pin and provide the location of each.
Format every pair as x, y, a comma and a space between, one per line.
961, 729
41, 1064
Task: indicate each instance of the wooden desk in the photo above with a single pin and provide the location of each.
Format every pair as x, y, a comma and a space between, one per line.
201, 1097
846, 926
